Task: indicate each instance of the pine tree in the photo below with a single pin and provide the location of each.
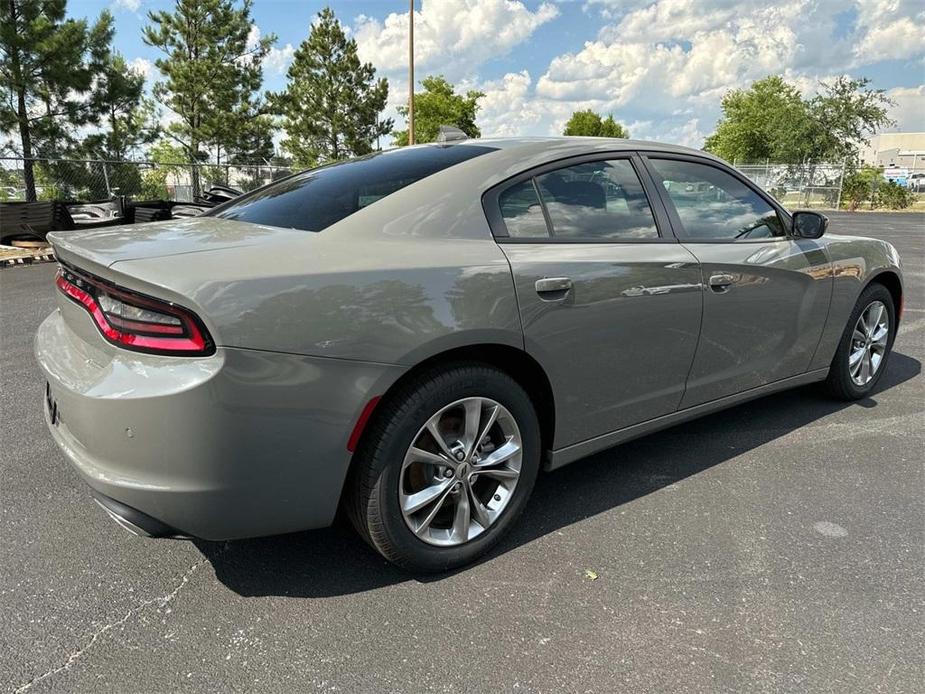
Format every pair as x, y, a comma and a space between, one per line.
47, 69
126, 116
212, 72
127, 123
255, 145
332, 103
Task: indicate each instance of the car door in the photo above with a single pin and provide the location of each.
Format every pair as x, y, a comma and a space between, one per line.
766, 294
609, 300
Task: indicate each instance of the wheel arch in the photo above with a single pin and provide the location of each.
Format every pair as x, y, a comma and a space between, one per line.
515, 362
892, 282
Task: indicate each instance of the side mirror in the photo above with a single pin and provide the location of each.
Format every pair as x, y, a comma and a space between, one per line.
809, 225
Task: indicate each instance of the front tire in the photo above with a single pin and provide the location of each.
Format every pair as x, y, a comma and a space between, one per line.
865, 345
447, 465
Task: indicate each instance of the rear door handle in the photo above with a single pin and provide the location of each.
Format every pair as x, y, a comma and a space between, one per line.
553, 288
721, 282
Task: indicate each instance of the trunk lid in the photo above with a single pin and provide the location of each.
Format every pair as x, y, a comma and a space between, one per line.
105, 247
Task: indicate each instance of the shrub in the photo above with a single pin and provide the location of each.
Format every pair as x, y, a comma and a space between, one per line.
859, 186
893, 196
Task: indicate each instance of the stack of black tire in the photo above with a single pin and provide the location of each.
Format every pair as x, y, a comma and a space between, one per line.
33, 220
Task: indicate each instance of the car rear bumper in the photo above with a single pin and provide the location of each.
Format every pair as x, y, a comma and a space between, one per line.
238, 444
135, 521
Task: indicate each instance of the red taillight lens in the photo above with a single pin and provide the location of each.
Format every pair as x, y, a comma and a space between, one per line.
135, 321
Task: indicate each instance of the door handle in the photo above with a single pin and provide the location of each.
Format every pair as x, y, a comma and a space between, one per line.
553, 288
721, 282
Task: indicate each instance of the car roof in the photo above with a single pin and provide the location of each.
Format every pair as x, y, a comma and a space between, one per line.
581, 144
615, 143
509, 150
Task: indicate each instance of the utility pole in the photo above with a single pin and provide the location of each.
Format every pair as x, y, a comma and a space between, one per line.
411, 74
841, 183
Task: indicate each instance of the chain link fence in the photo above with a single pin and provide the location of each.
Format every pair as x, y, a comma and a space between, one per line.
824, 186
837, 185
806, 186
96, 179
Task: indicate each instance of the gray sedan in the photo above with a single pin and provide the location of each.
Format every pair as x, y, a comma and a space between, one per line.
413, 335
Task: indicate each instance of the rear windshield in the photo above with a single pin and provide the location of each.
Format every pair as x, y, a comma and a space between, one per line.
314, 200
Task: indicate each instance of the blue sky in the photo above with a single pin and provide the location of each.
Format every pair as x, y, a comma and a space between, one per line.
660, 67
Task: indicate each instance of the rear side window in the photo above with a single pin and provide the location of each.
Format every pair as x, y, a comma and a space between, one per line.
316, 199
715, 205
594, 201
522, 211
597, 200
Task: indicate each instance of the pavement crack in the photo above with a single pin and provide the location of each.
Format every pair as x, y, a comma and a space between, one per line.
73, 657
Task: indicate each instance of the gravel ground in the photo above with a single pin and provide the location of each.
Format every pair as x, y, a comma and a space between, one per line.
776, 546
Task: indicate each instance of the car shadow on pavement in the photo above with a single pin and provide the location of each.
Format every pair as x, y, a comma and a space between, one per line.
335, 561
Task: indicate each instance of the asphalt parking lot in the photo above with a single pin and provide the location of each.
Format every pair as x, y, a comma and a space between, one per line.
778, 546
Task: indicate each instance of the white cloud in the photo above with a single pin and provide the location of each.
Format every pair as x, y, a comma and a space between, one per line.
673, 50
142, 66
508, 107
452, 37
253, 37
278, 59
909, 112
129, 5
889, 29
166, 118
686, 132
612, 9
898, 39
511, 107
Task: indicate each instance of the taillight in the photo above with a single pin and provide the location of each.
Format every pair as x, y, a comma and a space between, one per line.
135, 321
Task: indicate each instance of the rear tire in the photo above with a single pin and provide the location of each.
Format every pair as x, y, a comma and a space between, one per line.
400, 464
863, 351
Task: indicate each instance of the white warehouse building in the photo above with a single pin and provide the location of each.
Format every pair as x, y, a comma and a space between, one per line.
896, 150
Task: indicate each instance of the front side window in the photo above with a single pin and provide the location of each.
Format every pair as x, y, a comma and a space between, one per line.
316, 199
714, 205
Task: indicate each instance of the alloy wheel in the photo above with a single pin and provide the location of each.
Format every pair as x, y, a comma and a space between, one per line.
868, 343
460, 472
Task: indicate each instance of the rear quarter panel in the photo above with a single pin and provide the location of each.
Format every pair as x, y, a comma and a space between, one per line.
365, 289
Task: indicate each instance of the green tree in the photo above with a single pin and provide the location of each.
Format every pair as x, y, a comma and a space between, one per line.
128, 123
772, 120
332, 102
126, 116
171, 161
590, 124
769, 120
437, 105
211, 72
255, 144
47, 69
845, 113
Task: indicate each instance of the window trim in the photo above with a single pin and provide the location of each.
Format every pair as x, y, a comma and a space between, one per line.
678, 227
492, 208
